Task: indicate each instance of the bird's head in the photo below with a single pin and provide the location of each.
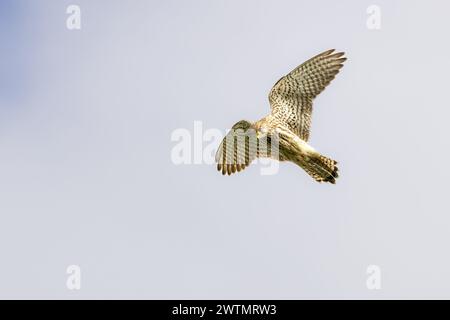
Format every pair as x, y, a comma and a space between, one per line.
244, 127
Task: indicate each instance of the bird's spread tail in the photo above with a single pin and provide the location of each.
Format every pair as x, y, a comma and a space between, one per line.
322, 169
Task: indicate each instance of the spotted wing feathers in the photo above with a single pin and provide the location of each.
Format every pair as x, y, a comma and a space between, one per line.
292, 96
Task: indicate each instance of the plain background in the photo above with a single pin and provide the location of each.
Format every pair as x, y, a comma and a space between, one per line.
86, 175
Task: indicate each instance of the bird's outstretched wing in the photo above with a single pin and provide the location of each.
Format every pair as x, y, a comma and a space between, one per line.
291, 97
235, 151
241, 146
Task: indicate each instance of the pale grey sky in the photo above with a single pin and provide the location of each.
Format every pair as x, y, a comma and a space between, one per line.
86, 176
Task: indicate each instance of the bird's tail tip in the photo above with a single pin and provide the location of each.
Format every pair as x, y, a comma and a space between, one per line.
331, 168
323, 169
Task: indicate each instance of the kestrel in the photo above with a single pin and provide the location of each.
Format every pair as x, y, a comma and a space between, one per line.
284, 133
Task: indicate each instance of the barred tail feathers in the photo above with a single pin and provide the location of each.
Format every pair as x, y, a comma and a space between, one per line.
322, 169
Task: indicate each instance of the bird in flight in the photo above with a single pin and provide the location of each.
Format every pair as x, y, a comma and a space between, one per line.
284, 133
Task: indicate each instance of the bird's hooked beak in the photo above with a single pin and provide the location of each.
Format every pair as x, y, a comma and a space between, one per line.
261, 132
